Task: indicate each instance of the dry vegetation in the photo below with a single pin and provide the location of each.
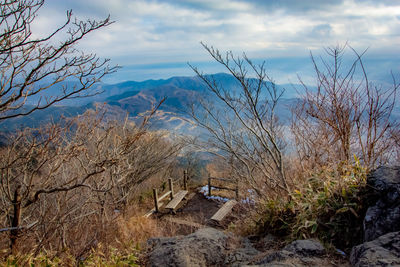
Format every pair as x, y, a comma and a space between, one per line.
70, 192
346, 115
64, 186
245, 131
339, 131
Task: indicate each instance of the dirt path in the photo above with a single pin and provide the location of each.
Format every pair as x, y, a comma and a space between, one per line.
194, 213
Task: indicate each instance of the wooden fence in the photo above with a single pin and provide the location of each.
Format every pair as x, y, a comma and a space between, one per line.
225, 180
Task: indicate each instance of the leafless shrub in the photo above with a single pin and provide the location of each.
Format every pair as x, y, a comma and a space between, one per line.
32, 65
70, 181
346, 115
242, 125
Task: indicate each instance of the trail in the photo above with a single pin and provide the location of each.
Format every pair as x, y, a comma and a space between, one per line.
195, 212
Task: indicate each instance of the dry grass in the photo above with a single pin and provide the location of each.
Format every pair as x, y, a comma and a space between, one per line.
138, 229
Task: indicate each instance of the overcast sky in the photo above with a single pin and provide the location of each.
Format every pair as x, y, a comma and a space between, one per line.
155, 39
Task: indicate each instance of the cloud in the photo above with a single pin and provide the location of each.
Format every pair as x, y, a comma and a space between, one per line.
321, 31
158, 32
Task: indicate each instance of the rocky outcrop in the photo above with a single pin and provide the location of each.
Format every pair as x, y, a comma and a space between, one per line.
382, 222
384, 216
206, 247
307, 248
242, 254
211, 247
383, 251
298, 253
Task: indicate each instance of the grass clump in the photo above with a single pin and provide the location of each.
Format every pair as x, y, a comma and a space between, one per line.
112, 257
99, 256
329, 206
44, 258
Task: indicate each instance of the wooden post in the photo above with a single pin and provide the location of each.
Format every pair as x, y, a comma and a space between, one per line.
171, 188
209, 185
155, 194
185, 179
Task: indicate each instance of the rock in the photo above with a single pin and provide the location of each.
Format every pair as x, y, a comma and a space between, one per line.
383, 251
308, 247
382, 222
242, 255
276, 257
211, 247
384, 216
298, 253
206, 247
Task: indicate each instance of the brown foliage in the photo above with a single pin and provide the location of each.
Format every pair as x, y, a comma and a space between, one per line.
72, 180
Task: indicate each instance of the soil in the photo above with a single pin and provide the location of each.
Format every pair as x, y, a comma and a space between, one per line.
199, 209
195, 212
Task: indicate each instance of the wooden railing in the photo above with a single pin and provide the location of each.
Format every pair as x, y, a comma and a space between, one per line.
225, 180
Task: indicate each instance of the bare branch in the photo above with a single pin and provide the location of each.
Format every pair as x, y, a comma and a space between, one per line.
246, 131
30, 67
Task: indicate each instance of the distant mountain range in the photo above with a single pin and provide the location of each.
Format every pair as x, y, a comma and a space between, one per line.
135, 98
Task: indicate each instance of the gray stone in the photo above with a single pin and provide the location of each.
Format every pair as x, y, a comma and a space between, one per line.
276, 257
384, 216
308, 247
383, 251
206, 247
211, 247
242, 255
299, 253
288, 258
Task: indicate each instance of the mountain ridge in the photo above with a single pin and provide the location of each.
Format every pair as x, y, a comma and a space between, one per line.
135, 98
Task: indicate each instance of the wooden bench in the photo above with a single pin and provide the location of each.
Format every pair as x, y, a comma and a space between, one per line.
176, 200
224, 210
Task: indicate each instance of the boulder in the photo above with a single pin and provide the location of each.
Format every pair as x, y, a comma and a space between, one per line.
298, 253
206, 247
384, 216
308, 248
242, 255
211, 247
383, 251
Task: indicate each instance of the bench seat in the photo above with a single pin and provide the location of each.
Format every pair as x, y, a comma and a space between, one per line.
224, 210
176, 200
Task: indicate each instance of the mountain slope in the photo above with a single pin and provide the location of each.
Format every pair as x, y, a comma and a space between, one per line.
135, 98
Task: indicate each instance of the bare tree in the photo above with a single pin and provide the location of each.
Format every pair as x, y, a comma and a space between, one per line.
56, 178
60, 178
30, 65
346, 114
245, 131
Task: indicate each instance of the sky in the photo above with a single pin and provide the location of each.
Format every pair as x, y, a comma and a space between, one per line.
153, 39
